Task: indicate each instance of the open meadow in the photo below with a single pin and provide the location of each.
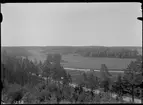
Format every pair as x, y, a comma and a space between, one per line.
72, 61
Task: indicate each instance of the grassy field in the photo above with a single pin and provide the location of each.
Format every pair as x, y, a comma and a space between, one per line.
72, 61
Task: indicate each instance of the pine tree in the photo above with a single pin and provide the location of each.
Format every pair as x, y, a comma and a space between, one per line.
118, 86
133, 75
105, 78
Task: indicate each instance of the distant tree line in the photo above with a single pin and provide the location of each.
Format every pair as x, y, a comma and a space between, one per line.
108, 52
96, 51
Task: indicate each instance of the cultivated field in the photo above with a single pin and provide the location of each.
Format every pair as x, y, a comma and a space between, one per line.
72, 61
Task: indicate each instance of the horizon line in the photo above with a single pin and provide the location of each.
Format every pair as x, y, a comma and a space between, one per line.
68, 46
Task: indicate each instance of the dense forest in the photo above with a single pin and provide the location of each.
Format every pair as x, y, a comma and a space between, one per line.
19, 83
108, 52
97, 51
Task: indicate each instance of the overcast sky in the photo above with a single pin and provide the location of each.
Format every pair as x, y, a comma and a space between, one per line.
71, 24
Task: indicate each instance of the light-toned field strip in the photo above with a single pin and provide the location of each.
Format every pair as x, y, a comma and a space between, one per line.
94, 70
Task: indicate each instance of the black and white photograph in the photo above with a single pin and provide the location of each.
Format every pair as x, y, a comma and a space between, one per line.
71, 53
